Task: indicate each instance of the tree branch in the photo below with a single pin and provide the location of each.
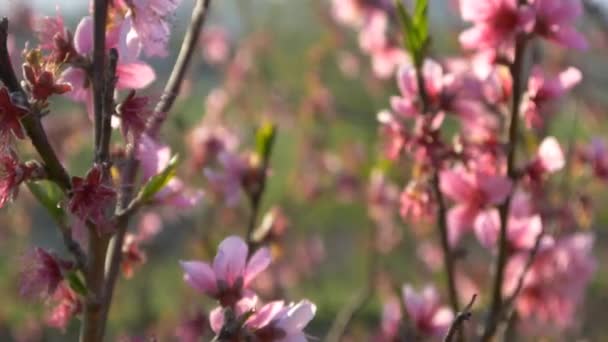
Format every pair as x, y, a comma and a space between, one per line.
496, 304
462, 316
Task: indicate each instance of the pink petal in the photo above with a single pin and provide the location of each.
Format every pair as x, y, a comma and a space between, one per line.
297, 317
460, 220
135, 75
265, 315
77, 79
524, 232
216, 319
200, 276
487, 227
229, 263
570, 77
83, 37
496, 188
570, 38
456, 185
441, 321
414, 303
550, 155
257, 263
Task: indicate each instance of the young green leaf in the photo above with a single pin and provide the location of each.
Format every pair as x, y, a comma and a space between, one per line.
76, 283
159, 181
264, 139
49, 195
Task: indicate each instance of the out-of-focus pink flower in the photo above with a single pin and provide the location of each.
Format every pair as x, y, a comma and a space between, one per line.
394, 134
555, 21
231, 273
90, 196
154, 158
415, 202
596, 154
215, 46
132, 255
54, 37
230, 180
542, 90
42, 272
521, 232
495, 23
207, 142
391, 321
134, 112
12, 174
10, 114
130, 72
151, 23
430, 254
473, 192
556, 282
67, 306
426, 312
549, 159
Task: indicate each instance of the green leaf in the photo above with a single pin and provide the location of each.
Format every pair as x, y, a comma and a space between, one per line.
76, 283
264, 139
414, 28
50, 196
159, 181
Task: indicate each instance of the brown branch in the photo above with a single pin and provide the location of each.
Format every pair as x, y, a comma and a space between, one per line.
31, 122
102, 152
126, 208
462, 316
496, 304
100, 15
173, 86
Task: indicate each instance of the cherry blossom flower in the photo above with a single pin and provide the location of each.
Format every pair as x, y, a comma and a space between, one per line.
522, 232
214, 45
391, 321
549, 159
556, 281
542, 90
473, 192
555, 21
273, 321
53, 36
231, 273
154, 158
230, 179
10, 115
134, 112
90, 196
42, 82
67, 306
12, 175
207, 142
42, 273
426, 312
151, 24
495, 24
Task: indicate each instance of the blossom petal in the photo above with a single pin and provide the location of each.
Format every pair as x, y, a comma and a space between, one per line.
200, 276
134, 75
83, 36
297, 317
258, 263
229, 263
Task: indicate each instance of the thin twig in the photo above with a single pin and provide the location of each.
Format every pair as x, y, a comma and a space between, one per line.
516, 69
103, 151
126, 208
462, 316
31, 122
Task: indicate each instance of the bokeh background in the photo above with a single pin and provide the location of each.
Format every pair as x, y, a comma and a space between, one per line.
291, 64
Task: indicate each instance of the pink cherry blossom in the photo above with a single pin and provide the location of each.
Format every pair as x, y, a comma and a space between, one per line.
214, 45
42, 273
555, 21
12, 175
521, 232
151, 23
231, 273
90, 196
67, 305
154, 158
230, 179
426, 312
53, 36
542, 90
556, 281
134, 112
495, 23
549, 159
472, 192
391, 321
10, 115
207, 142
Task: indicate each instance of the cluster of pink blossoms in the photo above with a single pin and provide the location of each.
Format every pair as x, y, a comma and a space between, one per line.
372, 19
240, 316
474, 171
